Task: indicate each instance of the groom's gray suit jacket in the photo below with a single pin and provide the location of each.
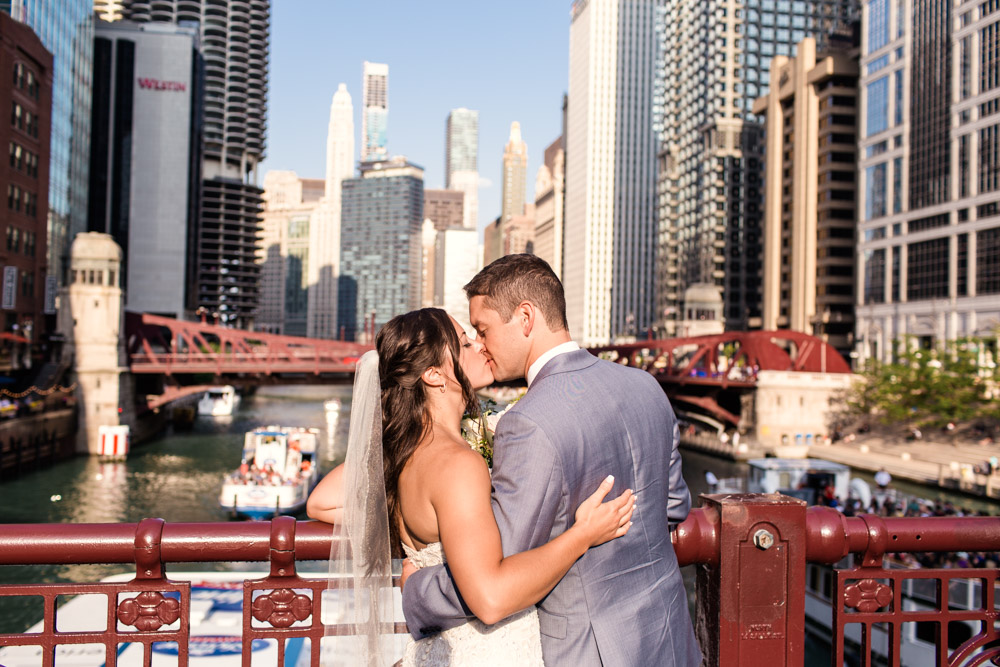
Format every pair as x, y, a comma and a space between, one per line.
622, 603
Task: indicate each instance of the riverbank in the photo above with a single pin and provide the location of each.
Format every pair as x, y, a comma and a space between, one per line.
955, 465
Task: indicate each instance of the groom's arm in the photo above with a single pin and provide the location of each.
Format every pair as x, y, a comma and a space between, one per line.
679, 497
527, 487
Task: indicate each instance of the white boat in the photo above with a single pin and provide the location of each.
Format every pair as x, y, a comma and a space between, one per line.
219, 401
806, 479
278, 470
332, 405
215, 635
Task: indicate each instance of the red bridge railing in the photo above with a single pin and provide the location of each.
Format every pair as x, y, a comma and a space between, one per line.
752, 553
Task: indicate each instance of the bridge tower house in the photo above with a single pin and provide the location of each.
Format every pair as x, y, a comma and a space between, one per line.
90, 318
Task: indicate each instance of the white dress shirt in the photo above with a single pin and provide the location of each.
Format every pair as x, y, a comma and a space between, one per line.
562, 348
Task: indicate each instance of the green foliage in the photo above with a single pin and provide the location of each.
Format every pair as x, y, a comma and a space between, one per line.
930, 387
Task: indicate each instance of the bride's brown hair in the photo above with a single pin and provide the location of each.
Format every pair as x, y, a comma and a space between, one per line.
408, 345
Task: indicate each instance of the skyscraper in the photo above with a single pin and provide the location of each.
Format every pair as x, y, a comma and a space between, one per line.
713, 63
287, 252
929, 176
608, 259
515, 174
325, 226
381, 245
374, 111
462, 160
234, 39
145, 171
809, 212
66, 28
550, 187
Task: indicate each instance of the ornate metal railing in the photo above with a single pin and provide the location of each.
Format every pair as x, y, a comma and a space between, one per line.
752, 553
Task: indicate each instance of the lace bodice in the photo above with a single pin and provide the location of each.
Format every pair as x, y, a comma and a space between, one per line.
513, 642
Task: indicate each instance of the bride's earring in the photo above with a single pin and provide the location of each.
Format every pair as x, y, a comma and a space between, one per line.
443, 389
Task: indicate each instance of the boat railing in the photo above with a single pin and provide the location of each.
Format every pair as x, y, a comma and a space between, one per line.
751, 551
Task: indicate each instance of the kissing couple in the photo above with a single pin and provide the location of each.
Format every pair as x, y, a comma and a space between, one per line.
529, 565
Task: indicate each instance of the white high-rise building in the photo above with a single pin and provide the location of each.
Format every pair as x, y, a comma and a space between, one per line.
515, 175
456, 261
462, 161
324, 229
375, 111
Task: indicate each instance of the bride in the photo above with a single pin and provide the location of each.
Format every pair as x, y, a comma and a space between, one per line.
436, 494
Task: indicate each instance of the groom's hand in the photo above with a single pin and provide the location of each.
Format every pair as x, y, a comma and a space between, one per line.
408, 569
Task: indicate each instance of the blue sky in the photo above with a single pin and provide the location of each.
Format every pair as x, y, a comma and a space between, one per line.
506, 59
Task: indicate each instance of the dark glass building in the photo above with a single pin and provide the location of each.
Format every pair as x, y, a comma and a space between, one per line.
66, 28
380, 236
713, 64
145, 173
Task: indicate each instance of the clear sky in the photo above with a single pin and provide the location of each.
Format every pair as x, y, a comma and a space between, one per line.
507, 59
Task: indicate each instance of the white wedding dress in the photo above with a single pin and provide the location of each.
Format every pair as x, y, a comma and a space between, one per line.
513, 642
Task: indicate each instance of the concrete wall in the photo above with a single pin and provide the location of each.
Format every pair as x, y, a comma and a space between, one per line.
790, 404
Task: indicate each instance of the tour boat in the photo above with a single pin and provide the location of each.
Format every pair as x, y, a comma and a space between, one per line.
219, 402
279, 468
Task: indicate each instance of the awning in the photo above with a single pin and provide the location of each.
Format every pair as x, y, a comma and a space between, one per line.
6, 335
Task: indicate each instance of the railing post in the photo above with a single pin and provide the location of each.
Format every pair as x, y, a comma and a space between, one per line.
751, 601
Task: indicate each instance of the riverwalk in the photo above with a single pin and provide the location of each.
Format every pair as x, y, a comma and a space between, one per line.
949, 465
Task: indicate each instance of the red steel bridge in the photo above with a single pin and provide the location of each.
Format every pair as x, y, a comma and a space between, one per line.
712, 373
708, 373
179, 351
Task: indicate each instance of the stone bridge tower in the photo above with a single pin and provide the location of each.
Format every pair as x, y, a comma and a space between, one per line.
90, 317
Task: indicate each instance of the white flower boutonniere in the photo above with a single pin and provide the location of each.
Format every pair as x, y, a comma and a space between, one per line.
478, 431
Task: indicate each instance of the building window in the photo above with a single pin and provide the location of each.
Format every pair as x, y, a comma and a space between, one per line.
878, 24
897, 113
988, 261
874, 289
897, 185
875, 191
963, 166
989, 158
989, 57
878, 106
894, 288
965, 67
927, 270
962, 267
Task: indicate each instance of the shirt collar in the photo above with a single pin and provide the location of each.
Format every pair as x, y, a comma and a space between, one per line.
536, 367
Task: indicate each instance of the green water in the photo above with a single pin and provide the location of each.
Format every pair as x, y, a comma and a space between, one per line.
176, 477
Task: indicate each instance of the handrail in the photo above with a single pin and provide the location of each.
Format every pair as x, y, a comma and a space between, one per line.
753, 549
829, 537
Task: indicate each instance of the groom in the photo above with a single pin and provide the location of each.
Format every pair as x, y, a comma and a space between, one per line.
623, 602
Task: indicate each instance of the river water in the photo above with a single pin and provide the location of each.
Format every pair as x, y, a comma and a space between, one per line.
178, 478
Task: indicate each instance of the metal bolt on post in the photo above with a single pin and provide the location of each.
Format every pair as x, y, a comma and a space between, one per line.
763, 539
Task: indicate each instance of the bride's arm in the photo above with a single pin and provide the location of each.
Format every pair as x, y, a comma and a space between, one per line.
495, 587
326, 502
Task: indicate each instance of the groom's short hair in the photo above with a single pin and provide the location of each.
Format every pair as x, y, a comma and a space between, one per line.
514, 279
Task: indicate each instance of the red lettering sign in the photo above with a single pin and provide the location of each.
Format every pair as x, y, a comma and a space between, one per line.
156, 84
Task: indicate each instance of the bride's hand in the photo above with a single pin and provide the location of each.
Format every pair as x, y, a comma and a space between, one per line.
601, 521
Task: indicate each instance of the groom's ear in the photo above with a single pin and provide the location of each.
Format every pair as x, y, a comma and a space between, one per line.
526, 315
